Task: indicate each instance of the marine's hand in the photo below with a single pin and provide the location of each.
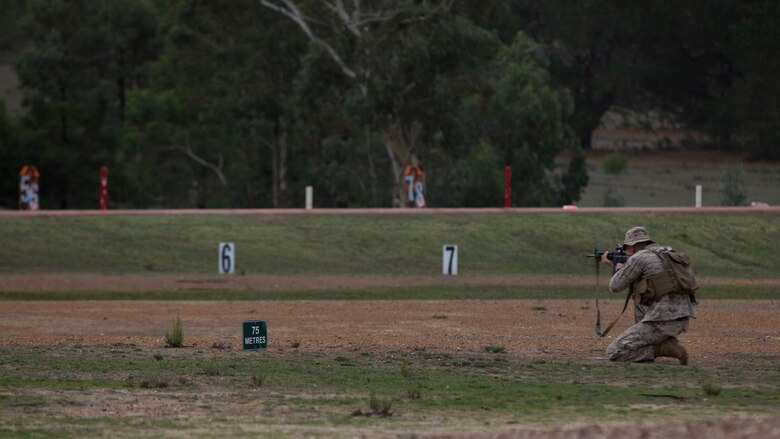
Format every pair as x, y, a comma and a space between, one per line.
604, 259
619, 265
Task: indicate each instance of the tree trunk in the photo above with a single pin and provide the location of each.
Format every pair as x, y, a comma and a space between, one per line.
400, 144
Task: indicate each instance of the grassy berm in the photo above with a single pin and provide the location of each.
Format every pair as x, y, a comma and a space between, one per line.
741, 245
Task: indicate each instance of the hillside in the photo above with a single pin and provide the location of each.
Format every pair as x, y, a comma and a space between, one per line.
669, 178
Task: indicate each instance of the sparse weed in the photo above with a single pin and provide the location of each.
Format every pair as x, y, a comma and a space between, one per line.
212, 369
405, 371
175, 337
710, 389
295, 344
495, 349
379, 407
413, 394
257, 379
154, 382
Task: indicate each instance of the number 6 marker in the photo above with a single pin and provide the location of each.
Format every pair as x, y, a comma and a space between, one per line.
227, 258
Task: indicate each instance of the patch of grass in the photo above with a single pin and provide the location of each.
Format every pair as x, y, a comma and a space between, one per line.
710, 389
154, 382
175, 337
406, 371
379, 407
495, 349
7, 401
212, 368
311, 386
295, 344
62, 383
257, 379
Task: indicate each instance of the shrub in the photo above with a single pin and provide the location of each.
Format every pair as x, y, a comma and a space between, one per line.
733, 187
614, 163
175, 337
380, 407
613, 199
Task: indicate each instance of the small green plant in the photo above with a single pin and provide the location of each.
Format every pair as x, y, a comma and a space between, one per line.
710, 389
379, 407
212, 369
295, 344
413, 394
158, 357
175, 337
495, 349
257, 379
405, 371
731, 180
614, 163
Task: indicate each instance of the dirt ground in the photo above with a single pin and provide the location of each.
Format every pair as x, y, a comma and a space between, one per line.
725, 331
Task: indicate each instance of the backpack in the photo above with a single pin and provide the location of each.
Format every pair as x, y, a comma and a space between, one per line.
679, 264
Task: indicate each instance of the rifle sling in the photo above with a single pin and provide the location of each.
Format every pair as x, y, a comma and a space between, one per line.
598, 315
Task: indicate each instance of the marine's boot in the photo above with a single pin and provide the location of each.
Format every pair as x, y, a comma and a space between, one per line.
671, 348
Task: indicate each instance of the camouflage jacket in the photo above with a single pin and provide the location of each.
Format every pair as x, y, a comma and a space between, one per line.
669, 307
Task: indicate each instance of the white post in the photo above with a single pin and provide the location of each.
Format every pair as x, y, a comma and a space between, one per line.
309, 197
698, 195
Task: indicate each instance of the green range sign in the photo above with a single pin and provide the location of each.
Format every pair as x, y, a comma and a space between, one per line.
255, 334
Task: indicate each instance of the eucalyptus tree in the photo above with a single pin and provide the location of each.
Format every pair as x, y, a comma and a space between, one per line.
83, 57
394, 57
214, 122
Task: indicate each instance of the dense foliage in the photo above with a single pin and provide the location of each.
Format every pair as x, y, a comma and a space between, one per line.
243, 103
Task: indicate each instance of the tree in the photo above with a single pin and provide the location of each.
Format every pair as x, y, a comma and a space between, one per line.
380, 49
10, 162
214, 123
85, 54
755, 95
528, 119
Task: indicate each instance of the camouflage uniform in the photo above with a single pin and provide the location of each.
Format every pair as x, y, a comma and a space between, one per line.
653, 324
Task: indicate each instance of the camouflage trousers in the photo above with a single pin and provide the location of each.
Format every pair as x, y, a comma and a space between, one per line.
636, 343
